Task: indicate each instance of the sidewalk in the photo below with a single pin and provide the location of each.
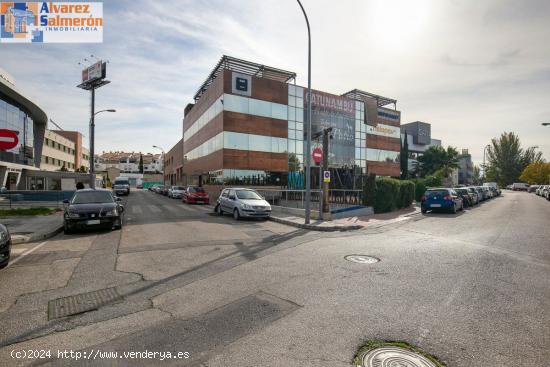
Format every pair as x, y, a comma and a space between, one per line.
351, 223
33, 228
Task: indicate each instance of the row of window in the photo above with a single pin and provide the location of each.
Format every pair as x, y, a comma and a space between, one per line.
58, 146
254, 107
240, 141
57, 162
14, 118
205, 118
388, 115
380, 155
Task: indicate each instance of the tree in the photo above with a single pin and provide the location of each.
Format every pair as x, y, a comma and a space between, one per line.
476, 177
438, 159
140, 167
63, 168
82, 169
537, 173
506, 159
404, 158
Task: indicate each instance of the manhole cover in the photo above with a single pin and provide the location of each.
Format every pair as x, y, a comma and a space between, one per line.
80, 303
362, 259
394, 357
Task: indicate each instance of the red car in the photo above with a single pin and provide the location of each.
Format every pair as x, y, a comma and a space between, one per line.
195, 195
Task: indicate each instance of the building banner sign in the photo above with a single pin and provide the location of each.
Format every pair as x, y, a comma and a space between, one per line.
338, 112
384, 130
51, 22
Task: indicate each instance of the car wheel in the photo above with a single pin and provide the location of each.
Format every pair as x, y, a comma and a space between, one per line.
118, 224
218, 210
236, 214
4, 265
66, 229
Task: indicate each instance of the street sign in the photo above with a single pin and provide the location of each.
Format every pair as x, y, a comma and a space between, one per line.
8, 139
317, 155
326, 176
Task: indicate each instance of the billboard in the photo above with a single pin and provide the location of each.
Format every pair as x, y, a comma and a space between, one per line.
94, 72
338, 112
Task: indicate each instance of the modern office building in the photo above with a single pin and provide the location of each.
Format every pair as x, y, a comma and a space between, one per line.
173, 174
246, 126
81, 153
419, 139
22, 116
465, 168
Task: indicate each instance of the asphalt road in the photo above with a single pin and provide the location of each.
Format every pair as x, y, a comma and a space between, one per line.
473, 289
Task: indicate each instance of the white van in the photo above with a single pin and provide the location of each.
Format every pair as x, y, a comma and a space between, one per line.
122, 183
520, 186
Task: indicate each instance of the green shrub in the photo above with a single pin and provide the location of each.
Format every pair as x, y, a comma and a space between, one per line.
369, 191
387, 195
406, 193
420, 188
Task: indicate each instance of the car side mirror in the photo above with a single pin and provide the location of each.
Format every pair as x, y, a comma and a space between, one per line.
65, 201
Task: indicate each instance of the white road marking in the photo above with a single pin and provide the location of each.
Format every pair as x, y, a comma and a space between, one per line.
136, 209
27, 252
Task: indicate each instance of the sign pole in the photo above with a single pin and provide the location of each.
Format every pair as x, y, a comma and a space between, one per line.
320, 191
324, 206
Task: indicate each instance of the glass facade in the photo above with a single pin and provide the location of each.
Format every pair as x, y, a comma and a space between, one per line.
379, 155
360, 137
13, 117
205, 118
246, 177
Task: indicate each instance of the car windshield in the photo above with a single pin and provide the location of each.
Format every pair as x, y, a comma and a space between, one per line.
433, 193
196, 189
248, 195
179, 188
92, 197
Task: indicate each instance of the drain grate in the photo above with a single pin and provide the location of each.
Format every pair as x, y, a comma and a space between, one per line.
362, 259
80, 303
394, 356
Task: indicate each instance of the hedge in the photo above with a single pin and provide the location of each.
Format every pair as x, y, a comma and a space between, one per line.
369, 191
423, 183
392, 194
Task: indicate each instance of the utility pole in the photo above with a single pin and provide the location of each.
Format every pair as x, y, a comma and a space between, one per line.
326, 135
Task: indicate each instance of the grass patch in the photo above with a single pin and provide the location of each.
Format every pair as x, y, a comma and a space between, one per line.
27, 211
373, 344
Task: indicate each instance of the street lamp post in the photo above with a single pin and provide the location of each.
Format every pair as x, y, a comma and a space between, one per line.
308, 122
92, 140
484, 166
545, 124
163, 165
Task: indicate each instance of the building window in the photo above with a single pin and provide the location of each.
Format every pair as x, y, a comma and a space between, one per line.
360, 137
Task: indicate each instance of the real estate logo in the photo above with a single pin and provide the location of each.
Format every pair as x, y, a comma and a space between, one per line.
51, 22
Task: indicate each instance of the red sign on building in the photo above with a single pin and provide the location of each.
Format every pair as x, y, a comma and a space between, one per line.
8, 139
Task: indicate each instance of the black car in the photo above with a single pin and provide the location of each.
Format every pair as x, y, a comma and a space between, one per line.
5, 246
90, 209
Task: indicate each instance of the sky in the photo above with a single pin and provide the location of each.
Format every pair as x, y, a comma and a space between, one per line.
472, 69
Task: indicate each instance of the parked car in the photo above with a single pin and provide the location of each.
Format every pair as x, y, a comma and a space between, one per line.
195, 195
242, 202
164, 190
120, 190
519, 186
152, 188
5, 246
139, 187
467, 199
175, 192
441, 199
124, 181
474, 195
89, 208
533, 188
482, 194
493, 186
542, 190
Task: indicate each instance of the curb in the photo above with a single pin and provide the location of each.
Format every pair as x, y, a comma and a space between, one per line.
316, 228
18, 239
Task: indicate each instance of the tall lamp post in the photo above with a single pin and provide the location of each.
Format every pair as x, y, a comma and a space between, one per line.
308, 121
545, 124
92, 142
163, 165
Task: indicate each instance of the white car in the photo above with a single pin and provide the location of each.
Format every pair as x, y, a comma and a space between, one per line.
175, 192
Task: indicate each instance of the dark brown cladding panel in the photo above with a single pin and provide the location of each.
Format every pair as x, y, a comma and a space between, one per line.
249, 124
214, 91
383, 142
384, 121
384, 168
262, 88
243, 159
211, 129
211, 162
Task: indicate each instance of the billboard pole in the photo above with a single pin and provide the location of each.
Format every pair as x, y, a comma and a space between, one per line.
92, 140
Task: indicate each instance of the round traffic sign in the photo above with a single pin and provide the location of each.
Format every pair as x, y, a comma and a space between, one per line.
317, 155
8, 139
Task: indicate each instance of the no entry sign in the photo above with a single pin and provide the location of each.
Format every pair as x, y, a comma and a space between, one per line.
317, 155
8, 139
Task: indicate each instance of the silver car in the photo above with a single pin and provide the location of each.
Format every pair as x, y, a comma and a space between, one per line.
175, 192
242, 202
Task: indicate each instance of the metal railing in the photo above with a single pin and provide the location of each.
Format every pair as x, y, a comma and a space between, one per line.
27, 199
338, 198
